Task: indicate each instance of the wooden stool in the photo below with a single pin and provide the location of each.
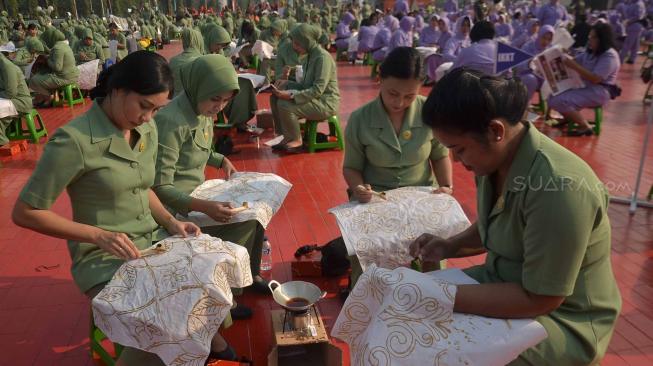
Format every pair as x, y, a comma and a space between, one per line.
33, 132
310, 135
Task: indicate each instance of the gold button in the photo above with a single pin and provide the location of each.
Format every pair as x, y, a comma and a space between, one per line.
141, 217
141, 147
407, 135
500, 203
134, 164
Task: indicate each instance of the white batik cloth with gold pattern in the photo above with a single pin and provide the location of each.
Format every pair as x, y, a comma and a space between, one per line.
172, 301
403, 317
381, 231
265, 192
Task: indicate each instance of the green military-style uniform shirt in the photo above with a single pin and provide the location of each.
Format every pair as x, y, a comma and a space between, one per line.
62, 62
387, 160
13, 86
184, 151
286, 56
108, 183
549, 232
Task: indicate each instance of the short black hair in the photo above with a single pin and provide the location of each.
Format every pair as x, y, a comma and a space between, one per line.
142, 72
31, 26
603, 32
401, 63
466, 100
482, 30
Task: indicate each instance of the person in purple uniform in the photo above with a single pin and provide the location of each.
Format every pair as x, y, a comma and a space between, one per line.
445, 32
459, 41
552, 13
451, 6
635, 12
534, 47
503, 28
419, 24
403, 37
343, 32
481, 54
401, 7
532, 27
382, 38
598, 66
430, 35
518, 24
366, 35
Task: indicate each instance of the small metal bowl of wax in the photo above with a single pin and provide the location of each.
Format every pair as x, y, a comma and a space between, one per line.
296, 296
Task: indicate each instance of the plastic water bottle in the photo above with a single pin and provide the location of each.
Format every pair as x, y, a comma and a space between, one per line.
266, 255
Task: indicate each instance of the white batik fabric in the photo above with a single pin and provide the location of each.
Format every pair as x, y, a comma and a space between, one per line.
381, 231
403, 317
264, 192
173, 299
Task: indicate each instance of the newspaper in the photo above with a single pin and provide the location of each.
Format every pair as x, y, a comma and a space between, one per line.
557, 76
264, 50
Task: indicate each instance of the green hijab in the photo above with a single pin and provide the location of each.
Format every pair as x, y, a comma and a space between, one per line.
216, 35
208, 76
52, 36
190, 38
87, 33
306, 35
33, 44
279, 25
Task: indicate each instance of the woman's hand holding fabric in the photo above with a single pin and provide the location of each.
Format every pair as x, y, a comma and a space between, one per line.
431, 248
117, 244
228, 168
363, 193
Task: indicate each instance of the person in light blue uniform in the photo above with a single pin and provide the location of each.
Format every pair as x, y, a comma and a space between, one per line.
481, 55
367, 33
403, 37
532, 28
401, 7
430, 35
382, 39
552, 13
598, 66
450, 6
503, 28
343, 32
534, 47
635, 12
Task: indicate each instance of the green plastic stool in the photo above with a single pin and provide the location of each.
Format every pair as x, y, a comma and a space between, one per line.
255, 64
310, 137
368, 60
374, 69
542, 105
33, 132
96, 337
69, 98
598, 120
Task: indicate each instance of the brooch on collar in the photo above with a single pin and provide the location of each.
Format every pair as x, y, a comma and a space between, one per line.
407, 135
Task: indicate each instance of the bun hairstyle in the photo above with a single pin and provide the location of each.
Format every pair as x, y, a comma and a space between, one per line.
402, 63
466, 100
141, 72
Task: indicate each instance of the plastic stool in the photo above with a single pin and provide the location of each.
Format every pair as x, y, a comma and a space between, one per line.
69, 97
255, 64
96, 337
368, 60
310, 132
33, 132
598, 120
375, 69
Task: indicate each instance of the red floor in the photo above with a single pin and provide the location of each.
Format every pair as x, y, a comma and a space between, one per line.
44, 319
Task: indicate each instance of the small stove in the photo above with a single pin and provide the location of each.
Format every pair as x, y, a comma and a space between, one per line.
301, 322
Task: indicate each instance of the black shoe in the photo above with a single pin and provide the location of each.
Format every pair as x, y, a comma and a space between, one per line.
241, 312
576, 133
295, 150
228, 354
260, 287
279, 147
630, 62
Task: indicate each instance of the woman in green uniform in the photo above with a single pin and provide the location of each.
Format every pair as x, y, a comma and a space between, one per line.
110, 149
116, 35
61, 69
88, 50
542, 219
243, 107
287, 59
193, 45
316, 96
185, 137
14, 88
26, 55
386, 144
